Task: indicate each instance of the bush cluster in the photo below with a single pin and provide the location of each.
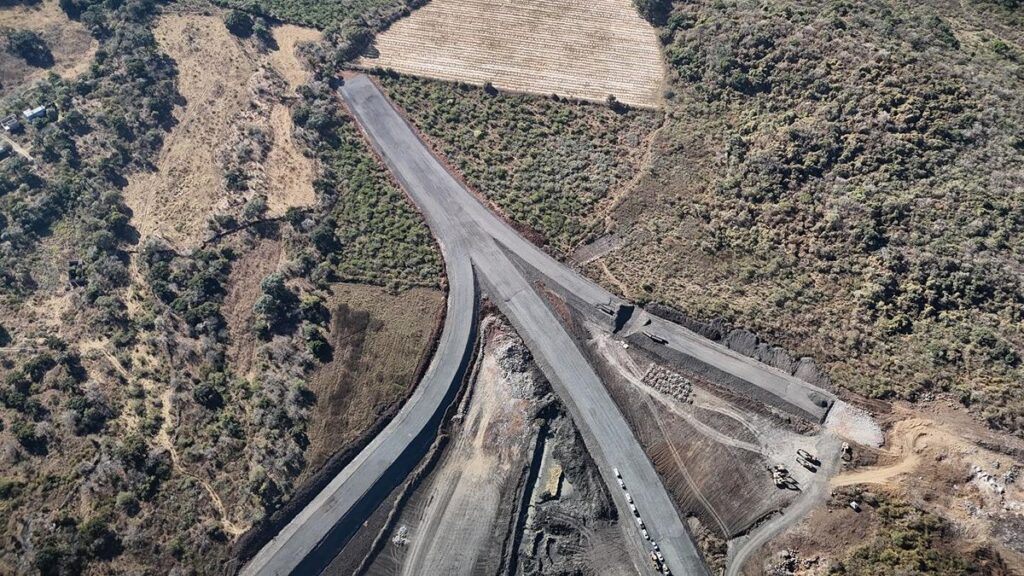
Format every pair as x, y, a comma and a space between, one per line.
546, 162
850, 175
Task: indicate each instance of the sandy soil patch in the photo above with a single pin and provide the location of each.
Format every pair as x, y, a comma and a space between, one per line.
290, 174
568, 47
221, 112
69, 42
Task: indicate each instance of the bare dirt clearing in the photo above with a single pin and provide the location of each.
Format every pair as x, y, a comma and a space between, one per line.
936, 460
512, 491
567, 47
69, 42
238, 109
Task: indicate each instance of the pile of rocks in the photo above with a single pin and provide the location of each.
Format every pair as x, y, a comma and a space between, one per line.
668, 382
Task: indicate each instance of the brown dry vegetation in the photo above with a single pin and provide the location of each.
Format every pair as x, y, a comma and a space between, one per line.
243, 290
379, 339
567, 47
69, 42
233, 120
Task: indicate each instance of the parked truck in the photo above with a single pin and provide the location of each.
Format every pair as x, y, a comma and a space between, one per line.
655, 338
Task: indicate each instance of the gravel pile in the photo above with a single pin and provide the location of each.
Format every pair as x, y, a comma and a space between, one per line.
668, 382
854, 424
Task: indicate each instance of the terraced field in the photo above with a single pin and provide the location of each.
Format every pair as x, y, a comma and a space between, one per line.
571, 48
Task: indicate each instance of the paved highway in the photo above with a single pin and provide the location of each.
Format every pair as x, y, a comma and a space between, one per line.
361, 485
604, 429
476, 244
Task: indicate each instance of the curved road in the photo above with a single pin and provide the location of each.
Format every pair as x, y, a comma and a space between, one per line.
476, 244
605, 432
305, 544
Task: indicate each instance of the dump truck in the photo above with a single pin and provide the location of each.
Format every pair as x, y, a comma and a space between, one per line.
807, 456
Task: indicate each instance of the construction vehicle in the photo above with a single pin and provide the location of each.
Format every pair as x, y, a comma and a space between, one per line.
807, 456
803, 462
633, 509
655, 338
640, 522
606, 309
780, 470
616, 472
847, 452
644, 532
629, 498
855, 506
654, 561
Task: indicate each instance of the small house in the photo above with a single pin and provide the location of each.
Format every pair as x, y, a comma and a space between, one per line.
11, 123
33, 113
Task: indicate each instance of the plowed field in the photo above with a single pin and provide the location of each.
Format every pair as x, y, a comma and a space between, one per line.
567, 47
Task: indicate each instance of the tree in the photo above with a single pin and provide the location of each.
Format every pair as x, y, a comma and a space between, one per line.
30, 47
239, 23
614, 104
276, 309
654, 11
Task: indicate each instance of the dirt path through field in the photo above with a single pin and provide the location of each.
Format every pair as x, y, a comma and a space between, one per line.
909, 437
17, 147
163, 438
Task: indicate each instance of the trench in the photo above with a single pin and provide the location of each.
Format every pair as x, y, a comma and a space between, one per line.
529, 486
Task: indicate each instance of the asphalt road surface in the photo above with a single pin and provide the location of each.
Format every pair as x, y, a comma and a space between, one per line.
304, 545
604, 429
476, 245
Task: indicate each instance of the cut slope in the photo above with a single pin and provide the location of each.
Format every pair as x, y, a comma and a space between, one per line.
568, 47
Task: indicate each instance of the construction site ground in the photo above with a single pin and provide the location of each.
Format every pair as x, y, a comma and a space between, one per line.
512, 490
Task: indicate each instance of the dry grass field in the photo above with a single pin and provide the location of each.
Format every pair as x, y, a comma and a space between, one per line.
378, 340
221, 113
69, 42
571, 48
